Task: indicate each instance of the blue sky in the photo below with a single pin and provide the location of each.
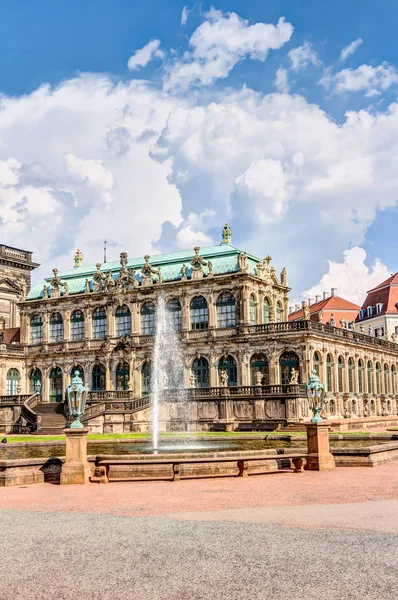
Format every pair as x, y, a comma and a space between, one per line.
200, 129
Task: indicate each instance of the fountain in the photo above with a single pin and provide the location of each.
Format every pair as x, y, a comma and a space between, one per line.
167, 376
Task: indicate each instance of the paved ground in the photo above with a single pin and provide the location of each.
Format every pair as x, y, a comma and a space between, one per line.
280, 536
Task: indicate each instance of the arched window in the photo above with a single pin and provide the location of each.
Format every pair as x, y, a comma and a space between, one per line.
99, 323
278, 312
122, 376
329, 373
266, 310
369, 373
317, 363
12, 382
199, 313
123, 321
56, 388
361, 373
287, 362
56, 327
228, 364
350, 375
259, 363
36, 329
77, 326
340, 376
175, 314
253, 310
98, 378
35, 381
148, 318
378, 378
393, 380
146, 378
226, 310
332, 407
386, 380
200, 368
77, 368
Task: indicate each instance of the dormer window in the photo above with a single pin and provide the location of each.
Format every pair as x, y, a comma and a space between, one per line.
370, 310
362, 313
379, 308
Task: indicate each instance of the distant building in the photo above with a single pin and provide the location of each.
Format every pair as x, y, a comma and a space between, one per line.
327, 309
379, 313
15, 270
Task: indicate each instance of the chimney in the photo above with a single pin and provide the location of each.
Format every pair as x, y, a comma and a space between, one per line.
291, 309
296, 307
333, 291
317, 299
309, 301
325, 295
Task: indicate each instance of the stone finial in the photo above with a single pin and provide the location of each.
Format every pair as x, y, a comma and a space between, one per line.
226, 234
78, 258
123, 259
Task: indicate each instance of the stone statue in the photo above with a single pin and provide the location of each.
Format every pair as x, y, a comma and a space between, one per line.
394, 338
332, 321
192, 380
294, 376
259, 378
126, 279
56, 285
210, 267
197, 264
224, 378
184, 272
45, 291
99, 279
370, 330
379, 332
306, 311
362, 328
343, 323
66, 289
242, 261
87, 286
284, 277
160, 277
109, 282
147, 271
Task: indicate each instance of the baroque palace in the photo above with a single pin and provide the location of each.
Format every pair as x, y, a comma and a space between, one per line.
245, 362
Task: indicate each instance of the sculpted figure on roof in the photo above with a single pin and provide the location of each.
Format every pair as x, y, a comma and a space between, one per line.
126, 279
147, 271
184, 272
56, 285
99, 279
242, 262
284, 277
306, 311
197, 264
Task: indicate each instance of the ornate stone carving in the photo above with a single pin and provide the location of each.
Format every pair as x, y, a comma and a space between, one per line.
45, 291
126, 279
224, 379
294, 377
184, 272
56, 285
147, 271
210, 267
87, 287
332, 321
284, 277
243, 265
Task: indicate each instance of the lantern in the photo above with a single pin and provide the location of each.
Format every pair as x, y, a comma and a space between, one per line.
77, 396
316, 396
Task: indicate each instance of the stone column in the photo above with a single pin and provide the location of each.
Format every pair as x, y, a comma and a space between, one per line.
108, 377
45, 317
76, 468
319, 456
260, 312
274, 368
213, 371
243, 370
66, 317
185, 312
88, 323
110, 318
211, 305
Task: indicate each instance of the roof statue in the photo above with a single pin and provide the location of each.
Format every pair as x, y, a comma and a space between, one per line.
197, 264
226, 235
147, 271
78, 258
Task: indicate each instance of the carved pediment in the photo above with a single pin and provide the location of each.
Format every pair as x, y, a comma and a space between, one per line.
8, 285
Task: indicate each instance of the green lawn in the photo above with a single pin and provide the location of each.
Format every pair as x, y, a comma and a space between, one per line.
198, 434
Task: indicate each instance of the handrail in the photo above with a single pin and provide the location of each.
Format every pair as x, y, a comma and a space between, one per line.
14, 399
130, 406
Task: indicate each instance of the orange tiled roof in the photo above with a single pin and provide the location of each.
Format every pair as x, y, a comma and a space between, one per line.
339, 307
386, 293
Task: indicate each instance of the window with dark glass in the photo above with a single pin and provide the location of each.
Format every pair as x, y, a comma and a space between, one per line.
199, 313
148, 318
123, 321
340, 377
317, 363
226, 310
228, 364
329, 373
378, 376
278, 312
253, 311
200, 368
56, 327
35, 381
266, 311
287, 362
369, 370
175, 315
56, 386
259, 364
98, 378
122, 376
99, 323
146, 378
12, 382
360, 377
386, 380
77, 326
350, 375
36, 329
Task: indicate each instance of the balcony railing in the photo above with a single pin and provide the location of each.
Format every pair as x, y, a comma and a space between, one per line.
252, 391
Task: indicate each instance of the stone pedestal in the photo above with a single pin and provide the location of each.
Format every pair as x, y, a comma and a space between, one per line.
319, 456
76, 468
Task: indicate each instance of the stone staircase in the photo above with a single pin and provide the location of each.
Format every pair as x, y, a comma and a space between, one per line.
53, 420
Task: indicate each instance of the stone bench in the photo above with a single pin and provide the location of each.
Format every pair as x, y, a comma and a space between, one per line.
109, 470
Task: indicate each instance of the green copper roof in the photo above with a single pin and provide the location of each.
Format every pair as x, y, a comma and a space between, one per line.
223, 258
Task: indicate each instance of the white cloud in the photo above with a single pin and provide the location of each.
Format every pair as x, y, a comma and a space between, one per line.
282, 81
302, 56
372, 80
219, 43
184, 15
352, 277
143, 56
350, 49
